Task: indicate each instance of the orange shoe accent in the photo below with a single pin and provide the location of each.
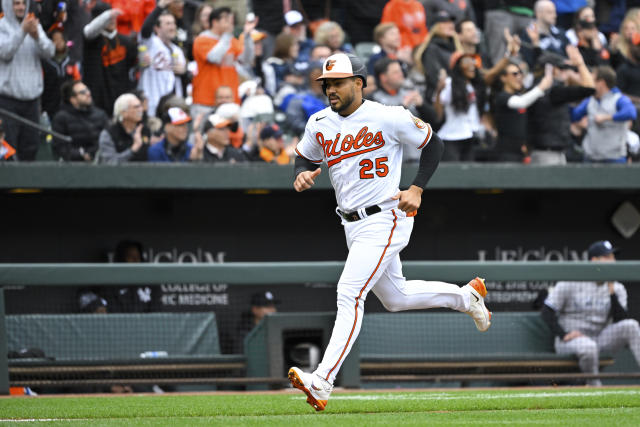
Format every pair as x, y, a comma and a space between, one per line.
296, 381
478, 285
412, 213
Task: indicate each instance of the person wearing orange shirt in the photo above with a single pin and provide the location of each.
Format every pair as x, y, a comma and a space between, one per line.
133, 15
270, 148
216, 52
410, 18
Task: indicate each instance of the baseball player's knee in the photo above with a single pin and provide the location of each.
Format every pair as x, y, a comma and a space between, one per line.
587, 349
393, 304
347, 299
629, 328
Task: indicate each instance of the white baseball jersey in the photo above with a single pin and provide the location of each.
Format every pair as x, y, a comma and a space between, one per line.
363, 152
584, 306
158, 78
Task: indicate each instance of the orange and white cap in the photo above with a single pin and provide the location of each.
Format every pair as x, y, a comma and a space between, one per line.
216, 121
176, 116
342, 65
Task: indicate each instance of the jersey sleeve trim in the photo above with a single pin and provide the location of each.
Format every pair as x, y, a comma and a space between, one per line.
426, 140
312, 161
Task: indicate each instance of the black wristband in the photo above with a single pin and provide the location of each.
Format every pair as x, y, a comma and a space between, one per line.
301, 165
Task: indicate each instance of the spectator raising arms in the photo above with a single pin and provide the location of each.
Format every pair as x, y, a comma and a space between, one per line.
108, 57
510, 113
23, 43
133, 14
608, 111
542, 34
216, 52
549, 116
163, 61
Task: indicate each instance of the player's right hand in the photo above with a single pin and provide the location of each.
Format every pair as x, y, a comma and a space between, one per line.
571, 335
305, 180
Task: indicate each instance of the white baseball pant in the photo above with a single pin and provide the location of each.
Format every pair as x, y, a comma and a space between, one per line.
613, 337
374, 264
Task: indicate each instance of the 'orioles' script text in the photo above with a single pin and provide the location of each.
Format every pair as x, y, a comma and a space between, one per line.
338, 150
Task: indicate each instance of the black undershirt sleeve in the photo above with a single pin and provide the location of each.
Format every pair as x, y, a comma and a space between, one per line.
617, 312
301, 164
429, 160
551, 319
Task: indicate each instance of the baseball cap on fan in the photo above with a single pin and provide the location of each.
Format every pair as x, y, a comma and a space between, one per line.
176, 116
216, 121
293, 17
342, 65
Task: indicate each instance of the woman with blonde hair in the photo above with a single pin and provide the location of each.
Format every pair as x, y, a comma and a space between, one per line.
331, 34
621, 42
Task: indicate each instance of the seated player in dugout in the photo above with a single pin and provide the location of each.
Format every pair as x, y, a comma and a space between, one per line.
262, 304
361, 143
589, 317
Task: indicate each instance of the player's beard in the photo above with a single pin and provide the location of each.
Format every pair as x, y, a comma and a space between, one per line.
345, 102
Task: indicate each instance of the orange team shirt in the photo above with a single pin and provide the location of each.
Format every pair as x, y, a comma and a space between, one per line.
410, 18
210, 76
135, 12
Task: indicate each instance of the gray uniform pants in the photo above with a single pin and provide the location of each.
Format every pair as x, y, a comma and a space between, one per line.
612, 338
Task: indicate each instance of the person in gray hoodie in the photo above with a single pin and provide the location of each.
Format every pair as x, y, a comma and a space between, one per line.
24, 43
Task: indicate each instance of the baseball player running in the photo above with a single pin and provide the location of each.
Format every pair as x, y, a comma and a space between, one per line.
361, 142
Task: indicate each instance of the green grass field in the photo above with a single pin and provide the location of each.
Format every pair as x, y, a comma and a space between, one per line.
564, 406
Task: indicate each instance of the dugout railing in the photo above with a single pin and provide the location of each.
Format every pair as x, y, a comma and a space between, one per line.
295, 273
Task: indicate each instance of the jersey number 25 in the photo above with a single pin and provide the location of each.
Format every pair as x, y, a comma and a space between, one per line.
381, 168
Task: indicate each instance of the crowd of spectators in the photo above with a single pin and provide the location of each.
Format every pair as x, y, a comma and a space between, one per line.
546, 82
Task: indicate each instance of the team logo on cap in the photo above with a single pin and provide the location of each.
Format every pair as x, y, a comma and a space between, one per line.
419, 123
330, 64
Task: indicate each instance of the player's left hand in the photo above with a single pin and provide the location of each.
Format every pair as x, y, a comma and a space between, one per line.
409, 199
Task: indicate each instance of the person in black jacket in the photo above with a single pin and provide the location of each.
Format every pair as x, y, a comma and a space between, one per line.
79, 119
434, 53
57, 70
109, 57
549, 117
215, 144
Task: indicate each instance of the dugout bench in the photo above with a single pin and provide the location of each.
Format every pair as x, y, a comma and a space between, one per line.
446, 347
104, 349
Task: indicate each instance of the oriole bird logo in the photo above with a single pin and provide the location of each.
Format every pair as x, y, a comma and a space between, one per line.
330, 64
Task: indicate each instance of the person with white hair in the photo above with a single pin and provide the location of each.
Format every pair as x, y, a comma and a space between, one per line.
126, 139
